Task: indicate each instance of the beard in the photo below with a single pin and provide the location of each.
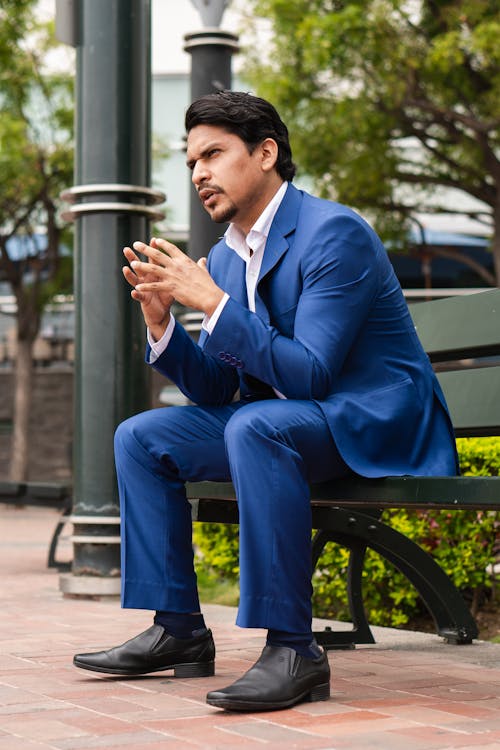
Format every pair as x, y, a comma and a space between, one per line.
222, 214
225, 215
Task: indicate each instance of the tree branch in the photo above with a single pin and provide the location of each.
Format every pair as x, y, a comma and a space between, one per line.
486, 196
467, 260
452, 116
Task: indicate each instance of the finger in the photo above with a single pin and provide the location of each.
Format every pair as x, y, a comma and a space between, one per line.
172, 250
130, 276
156, 256
129, 254
137, 295
202, 262
152, 286
146, 269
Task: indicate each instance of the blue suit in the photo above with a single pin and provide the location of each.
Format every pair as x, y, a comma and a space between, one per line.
332, 333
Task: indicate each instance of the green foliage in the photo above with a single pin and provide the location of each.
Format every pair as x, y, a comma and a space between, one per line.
462, 543
15, 21
36, 163
217, 548
36, 158
387, 101
217, 590
479, 457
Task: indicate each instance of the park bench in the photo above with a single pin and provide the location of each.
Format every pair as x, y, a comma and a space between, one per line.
462, 338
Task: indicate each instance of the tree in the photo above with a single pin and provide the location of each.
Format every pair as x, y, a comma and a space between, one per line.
393, 105
36, 157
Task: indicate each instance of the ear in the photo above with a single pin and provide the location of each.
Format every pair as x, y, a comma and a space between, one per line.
269, 154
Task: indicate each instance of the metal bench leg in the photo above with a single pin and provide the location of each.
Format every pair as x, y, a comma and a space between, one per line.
51, 558
360, 632
443, 600
452, 618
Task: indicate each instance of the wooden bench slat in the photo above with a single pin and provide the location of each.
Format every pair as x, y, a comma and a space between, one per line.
38, 493
391, 492
418, 492
459, 327
473, 398
12, 489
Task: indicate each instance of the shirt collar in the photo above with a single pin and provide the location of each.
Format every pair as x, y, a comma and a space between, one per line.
258, 234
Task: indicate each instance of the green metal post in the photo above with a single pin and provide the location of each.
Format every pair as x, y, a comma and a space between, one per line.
112, 207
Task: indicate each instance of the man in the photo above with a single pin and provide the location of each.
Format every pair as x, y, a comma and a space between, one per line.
308, 368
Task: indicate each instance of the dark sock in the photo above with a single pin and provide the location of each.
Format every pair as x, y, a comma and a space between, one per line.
303, 643
181, 624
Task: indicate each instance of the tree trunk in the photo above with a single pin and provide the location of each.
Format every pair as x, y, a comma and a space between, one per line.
23, 382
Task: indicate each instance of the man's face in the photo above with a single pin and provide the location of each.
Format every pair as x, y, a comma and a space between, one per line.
231, 182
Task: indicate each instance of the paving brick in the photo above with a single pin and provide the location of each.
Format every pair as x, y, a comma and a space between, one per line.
466, 709
8, 742
378, 741
129, 741
407, 692
269, 731
440, 738
40, 728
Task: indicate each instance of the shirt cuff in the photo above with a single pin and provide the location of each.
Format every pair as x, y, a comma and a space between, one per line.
209, 322
158, 347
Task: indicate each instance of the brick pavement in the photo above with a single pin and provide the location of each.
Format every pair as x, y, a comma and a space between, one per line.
408, 692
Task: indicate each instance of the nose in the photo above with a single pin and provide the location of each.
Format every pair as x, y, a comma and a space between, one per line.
200, 174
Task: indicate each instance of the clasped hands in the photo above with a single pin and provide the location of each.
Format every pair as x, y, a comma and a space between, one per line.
168, 275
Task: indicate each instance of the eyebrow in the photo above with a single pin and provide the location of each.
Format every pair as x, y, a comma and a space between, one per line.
191, 162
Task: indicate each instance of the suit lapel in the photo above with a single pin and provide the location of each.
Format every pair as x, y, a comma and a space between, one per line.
283, 225
230, 274
237, 287
277, 244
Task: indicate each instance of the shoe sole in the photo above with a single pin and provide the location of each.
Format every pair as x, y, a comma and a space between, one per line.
317, 693
193, 669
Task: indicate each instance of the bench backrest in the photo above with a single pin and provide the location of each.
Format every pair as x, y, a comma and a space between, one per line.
461, 335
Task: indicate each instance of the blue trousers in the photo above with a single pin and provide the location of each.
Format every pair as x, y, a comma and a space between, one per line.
270, 449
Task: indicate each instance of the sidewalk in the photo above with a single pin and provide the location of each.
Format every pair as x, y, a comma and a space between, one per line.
410, 691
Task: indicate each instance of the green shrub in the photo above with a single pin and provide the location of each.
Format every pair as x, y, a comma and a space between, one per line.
216, 546
462, 542
216, 558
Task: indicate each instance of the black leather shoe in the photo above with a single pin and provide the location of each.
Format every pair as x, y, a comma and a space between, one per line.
153, 651
279, 679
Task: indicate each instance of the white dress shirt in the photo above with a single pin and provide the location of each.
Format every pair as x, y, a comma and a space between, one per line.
251, 250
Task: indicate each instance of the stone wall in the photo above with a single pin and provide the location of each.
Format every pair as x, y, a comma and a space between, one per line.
51, 425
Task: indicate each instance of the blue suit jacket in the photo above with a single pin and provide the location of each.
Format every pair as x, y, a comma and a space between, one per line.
331, 325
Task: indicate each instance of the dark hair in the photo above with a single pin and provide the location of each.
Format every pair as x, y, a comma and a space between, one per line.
250, 118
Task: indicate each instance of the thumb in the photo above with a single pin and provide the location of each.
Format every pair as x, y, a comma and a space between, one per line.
202, 262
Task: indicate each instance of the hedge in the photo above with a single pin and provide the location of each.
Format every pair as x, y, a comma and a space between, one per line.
462, 542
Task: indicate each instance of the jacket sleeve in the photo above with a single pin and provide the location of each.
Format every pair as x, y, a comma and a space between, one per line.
339, 271
202, 378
